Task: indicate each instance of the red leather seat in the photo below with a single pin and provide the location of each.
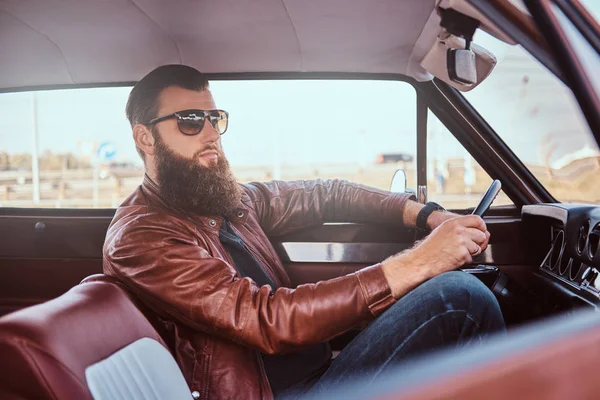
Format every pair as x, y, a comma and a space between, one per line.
45, 349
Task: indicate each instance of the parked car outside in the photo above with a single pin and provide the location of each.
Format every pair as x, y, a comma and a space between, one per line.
385, 158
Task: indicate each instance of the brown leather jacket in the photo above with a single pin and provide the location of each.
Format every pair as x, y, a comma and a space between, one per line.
218, 323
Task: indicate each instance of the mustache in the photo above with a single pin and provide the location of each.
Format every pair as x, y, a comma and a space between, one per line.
208, 148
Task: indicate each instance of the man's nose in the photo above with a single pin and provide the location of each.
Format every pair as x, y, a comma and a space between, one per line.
209, 133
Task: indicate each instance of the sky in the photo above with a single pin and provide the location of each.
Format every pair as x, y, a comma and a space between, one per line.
318, 122
305, 119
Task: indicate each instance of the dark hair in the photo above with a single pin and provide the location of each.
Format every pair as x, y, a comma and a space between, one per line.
142, 105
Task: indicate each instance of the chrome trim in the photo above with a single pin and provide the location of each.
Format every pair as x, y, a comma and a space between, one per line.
364, 253
339, 252
422, 194
562, 279
576, 267
553, 264
561, 271
480, 269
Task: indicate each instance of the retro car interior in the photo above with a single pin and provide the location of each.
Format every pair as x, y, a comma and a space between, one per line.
544, 255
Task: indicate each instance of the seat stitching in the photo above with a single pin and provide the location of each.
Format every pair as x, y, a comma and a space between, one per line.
105, 374
122, 372
148, 380
135, 377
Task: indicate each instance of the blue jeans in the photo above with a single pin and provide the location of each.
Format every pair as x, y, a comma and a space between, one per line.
452, 309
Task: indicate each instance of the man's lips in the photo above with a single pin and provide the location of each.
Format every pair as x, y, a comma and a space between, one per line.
209, 155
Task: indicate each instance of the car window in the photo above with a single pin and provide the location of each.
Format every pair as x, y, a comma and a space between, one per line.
539, 119
73, 148
454, 179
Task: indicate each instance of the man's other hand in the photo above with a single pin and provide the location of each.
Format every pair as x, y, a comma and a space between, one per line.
452, 244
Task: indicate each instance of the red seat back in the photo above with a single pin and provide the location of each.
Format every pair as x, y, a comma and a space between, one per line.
45, 349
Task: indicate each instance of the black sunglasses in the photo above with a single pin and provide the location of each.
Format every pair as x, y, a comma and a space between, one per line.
191, 122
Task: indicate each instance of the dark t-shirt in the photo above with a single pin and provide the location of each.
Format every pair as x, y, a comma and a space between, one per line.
286, 370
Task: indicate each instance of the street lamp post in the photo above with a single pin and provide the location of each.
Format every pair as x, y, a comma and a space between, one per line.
35, 164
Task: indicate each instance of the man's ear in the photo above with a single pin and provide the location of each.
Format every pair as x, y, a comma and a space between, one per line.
143, 138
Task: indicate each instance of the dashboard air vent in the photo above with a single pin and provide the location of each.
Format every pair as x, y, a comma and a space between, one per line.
582, 236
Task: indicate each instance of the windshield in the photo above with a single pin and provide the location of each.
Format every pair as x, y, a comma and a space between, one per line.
539, 119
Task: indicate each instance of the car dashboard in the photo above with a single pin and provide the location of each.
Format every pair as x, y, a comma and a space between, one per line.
564, 241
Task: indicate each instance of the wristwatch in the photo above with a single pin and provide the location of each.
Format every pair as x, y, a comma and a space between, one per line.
425, 213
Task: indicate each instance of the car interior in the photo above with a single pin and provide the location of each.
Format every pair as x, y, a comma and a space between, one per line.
67, 331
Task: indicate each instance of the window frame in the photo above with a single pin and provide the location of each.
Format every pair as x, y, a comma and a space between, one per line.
465, 124
565, 55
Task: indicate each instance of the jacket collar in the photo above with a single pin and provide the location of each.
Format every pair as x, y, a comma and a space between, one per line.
208, 222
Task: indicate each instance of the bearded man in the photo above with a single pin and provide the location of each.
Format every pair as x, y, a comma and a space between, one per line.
191, 243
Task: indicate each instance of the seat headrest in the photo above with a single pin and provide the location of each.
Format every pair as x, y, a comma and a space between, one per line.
46, 348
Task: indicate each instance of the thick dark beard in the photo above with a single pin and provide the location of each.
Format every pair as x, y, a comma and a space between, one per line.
192, 187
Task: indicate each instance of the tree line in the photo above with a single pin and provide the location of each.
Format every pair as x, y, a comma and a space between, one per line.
48, 161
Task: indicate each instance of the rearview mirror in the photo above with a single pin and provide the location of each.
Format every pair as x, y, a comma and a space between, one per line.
462, 67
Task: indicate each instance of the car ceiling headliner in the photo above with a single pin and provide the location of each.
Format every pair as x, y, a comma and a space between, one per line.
85, 42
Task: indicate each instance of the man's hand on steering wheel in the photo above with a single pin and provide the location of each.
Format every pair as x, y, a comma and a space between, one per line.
451, 245
454, 243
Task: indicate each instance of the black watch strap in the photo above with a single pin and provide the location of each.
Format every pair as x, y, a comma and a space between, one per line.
425, 213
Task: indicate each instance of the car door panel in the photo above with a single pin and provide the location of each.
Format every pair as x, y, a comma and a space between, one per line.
44, 253
60, 250
52, 236
25, 281
333, 250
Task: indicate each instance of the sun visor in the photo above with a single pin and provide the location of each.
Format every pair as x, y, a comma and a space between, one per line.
441, 61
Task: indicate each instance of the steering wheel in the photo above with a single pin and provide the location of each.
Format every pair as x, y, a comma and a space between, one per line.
484, 204
487, 199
